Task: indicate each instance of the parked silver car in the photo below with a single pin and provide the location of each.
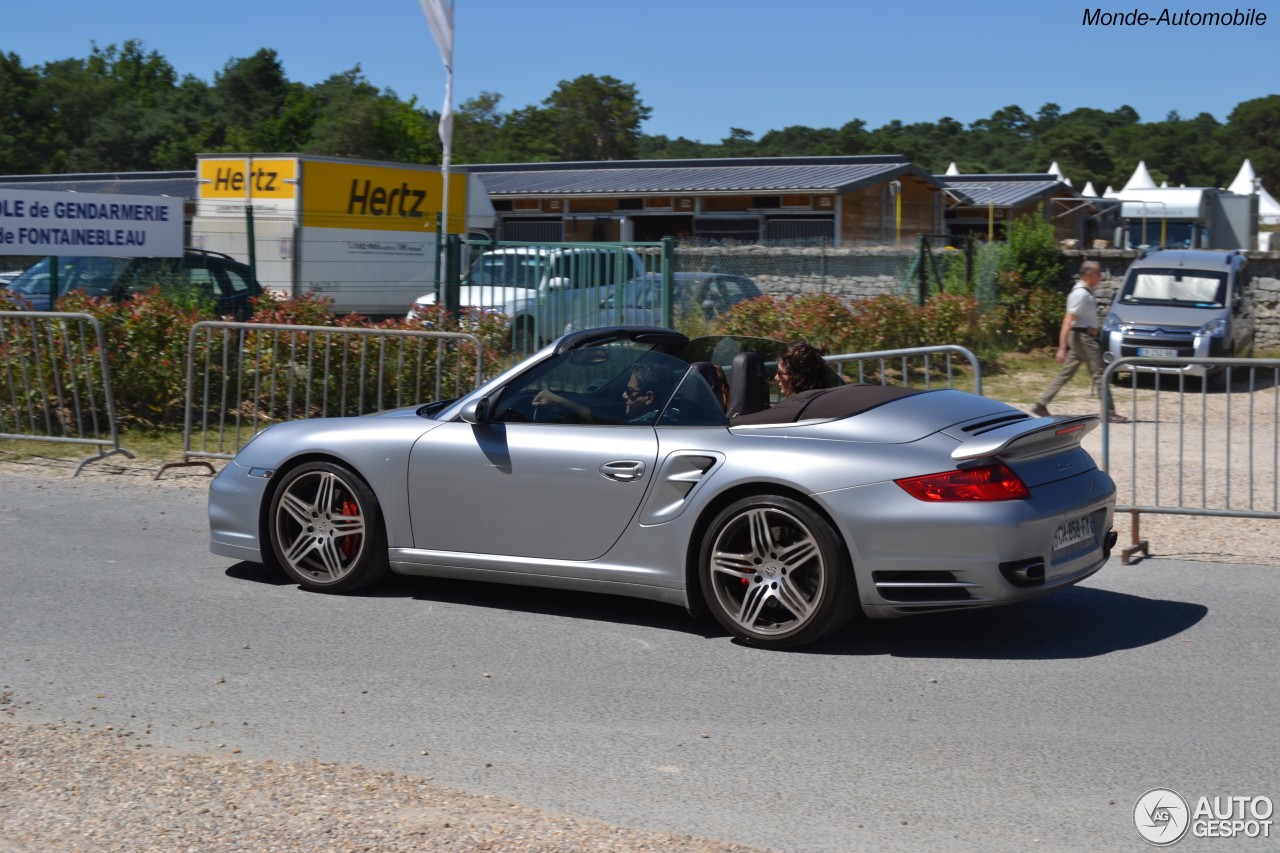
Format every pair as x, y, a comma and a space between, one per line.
1181, 303
542, 289
606, 463
693, 294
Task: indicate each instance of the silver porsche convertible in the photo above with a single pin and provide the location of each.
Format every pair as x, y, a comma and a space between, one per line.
637, 462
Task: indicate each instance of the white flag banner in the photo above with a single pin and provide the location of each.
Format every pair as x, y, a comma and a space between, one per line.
440, 18
439, 14
446, 115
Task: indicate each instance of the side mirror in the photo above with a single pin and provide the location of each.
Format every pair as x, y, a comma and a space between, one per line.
476, 411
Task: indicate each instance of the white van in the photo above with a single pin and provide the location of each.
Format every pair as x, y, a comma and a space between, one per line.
1182, 303
543, 289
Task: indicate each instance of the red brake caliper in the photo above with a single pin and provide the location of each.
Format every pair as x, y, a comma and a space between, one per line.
349, 544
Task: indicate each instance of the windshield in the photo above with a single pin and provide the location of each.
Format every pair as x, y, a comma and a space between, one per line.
505, 269
1153, 232
96, 276
1190, 288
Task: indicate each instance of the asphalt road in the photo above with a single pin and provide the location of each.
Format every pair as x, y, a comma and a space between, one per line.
1033, 726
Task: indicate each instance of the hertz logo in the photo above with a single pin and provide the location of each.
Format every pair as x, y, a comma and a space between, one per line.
369, 199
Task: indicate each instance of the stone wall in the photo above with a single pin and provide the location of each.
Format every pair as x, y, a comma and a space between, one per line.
861, 272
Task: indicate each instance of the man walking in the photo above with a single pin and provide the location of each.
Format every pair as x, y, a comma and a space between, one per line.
1078, 339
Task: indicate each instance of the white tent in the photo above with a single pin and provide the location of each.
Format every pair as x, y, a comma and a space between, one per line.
1089, 191
1141, 179
952, 170
1247, 182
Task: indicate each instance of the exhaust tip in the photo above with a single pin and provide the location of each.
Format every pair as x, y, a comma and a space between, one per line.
1024, 572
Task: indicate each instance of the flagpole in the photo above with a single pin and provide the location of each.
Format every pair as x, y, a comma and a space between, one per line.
439, 14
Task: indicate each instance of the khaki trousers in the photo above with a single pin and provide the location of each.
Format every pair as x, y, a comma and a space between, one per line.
1082, 348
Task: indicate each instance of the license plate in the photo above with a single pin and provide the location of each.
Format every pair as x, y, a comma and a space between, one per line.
1071, 532
1158, 352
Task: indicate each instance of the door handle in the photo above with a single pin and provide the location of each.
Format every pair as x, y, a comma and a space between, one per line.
624, 471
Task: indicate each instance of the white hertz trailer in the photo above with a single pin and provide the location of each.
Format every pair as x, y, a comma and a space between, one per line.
361, 233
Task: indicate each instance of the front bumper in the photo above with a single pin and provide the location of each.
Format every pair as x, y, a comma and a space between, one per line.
235, 502
1137, 342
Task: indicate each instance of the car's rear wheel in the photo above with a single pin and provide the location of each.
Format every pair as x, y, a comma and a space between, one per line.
326, 529
775, 574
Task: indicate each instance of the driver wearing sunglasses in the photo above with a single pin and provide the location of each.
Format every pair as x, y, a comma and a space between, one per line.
643, 396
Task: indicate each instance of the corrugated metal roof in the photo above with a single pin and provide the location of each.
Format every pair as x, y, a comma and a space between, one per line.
747, 175
176, 184
1006, 190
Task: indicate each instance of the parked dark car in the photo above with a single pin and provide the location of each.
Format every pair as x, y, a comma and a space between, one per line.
224, 280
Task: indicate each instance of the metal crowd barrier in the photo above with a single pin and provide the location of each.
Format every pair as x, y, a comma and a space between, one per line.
924, 365
55, 384
1192, 449
243, 377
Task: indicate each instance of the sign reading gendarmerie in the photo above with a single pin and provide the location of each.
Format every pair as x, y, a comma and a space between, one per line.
38, 222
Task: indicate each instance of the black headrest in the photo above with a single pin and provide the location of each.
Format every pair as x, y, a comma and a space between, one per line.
748, 386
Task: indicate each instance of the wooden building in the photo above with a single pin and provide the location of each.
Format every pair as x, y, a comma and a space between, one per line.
830, 200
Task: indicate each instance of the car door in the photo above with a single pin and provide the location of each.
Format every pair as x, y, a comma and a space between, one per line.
542, 482
529, 490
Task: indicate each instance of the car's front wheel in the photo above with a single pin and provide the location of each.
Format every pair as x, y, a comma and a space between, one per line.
775, 574
326, 529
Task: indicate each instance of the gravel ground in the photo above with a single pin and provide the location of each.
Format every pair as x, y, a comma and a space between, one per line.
72, 787
67, 787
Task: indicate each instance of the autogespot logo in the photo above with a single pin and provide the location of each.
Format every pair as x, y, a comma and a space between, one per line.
1161, 816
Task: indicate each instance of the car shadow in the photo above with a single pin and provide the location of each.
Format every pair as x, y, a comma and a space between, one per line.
568, 604
258, 573
1077, 622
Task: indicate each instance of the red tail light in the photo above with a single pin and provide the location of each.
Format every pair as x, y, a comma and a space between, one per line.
990, 483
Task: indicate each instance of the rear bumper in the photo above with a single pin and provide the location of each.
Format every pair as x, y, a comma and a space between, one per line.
914, 557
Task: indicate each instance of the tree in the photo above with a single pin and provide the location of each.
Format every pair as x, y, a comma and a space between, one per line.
1178, 151
1252, 131
799, 141
22, 113
256, 105
598, 118
1031, 257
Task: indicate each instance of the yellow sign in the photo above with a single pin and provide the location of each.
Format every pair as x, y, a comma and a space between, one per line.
379, 198
241, 178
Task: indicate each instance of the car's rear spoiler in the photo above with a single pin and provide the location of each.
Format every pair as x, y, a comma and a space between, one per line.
1022, 439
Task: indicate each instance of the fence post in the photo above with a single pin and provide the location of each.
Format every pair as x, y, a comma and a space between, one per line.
923, 294
968, 264
668, 258
452, 274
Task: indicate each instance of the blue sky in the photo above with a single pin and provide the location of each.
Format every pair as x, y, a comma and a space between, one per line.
705, 66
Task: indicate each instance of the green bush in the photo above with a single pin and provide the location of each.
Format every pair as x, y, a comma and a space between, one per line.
147, 338
761, 317
885, 322
1031, 257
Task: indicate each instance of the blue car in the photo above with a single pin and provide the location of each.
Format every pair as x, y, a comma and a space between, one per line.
229, 284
